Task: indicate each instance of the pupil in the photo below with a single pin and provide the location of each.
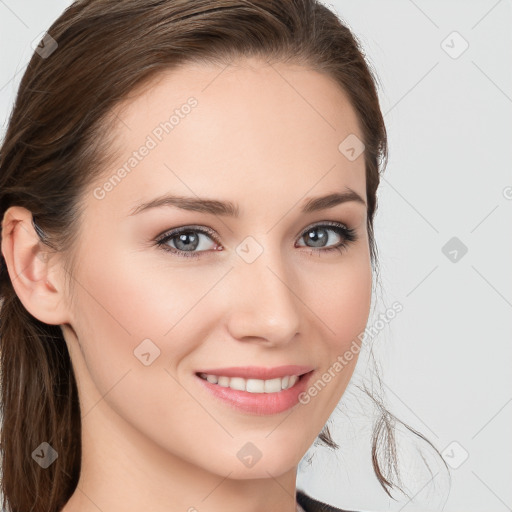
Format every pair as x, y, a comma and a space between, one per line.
182, 240
317, 239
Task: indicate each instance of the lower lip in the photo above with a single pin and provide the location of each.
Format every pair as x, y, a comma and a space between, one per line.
259, 403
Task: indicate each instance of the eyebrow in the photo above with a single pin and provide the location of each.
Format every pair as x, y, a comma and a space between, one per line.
229, 209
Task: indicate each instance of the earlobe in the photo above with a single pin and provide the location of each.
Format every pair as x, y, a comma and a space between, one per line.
32, 268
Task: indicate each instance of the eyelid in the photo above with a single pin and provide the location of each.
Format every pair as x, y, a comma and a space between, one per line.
191, 227
213, 233
324, 223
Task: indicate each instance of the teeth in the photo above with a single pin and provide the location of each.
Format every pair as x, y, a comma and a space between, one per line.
252, 385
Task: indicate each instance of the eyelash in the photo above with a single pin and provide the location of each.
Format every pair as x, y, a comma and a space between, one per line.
348, 235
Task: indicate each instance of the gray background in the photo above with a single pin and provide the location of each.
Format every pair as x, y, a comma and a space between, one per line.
445, 359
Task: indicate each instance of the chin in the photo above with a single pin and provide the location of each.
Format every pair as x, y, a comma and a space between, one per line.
261, 470
260, 460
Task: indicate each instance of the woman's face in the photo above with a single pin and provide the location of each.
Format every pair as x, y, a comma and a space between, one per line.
146, 318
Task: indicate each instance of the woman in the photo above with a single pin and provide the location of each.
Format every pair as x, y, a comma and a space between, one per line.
187, 201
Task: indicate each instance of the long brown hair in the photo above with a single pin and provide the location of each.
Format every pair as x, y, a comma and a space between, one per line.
57, 143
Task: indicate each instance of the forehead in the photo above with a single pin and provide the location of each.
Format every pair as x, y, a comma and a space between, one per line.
246, 131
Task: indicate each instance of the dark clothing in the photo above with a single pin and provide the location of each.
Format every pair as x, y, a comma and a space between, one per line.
311, 505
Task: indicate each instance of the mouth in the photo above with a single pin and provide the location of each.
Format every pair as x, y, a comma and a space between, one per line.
253, 395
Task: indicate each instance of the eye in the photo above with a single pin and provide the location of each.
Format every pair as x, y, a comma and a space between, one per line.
187, 241
319, 236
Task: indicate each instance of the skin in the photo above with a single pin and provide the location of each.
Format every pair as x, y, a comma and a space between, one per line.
265, 137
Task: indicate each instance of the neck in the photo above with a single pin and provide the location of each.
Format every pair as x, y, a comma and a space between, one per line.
123, 471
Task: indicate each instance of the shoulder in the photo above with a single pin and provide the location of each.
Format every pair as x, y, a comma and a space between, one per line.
309, 504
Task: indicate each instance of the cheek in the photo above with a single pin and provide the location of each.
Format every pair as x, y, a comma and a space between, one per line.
122, 314
341, 300
125, 300
354, 304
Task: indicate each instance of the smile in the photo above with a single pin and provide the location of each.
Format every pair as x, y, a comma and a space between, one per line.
255, 396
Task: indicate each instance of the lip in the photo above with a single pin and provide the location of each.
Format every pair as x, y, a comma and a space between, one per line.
258, 403
258, 372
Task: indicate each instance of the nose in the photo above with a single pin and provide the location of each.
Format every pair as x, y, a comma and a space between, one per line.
264, 301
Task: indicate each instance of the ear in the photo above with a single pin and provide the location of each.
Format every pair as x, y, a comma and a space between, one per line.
35, 271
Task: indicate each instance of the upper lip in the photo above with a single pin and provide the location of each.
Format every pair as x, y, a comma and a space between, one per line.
258, 372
